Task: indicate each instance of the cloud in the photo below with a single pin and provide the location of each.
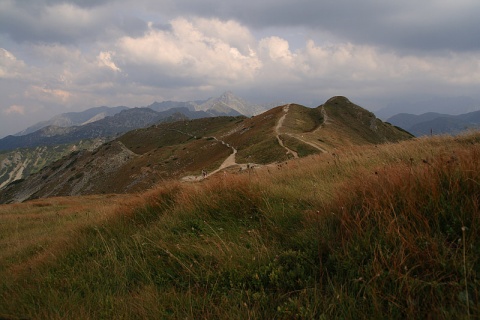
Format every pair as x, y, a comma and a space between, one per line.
277, 49
14, 109
189, 49
10, 66
66, 22
105, 59
191, 57
62, 55
409, 24
49, 95
50, 23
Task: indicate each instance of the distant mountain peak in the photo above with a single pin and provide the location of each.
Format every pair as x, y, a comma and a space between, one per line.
228, 95
229, 102
71, 119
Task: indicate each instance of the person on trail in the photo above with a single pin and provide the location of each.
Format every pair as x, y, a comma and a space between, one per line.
204, 173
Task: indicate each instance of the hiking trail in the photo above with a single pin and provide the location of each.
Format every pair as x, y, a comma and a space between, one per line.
277, 131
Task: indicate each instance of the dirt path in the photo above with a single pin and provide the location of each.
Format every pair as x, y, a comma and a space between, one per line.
228, 162
325, 117
306, 142
277, 131
310, 143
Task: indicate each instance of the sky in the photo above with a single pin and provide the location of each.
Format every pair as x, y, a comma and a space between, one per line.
63, 56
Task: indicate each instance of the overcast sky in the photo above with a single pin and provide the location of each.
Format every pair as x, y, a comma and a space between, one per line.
61, 56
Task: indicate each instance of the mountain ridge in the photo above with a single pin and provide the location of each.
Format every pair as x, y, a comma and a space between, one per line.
107, 127
70, 119
140, 158
446, 105
226, 104
436, 123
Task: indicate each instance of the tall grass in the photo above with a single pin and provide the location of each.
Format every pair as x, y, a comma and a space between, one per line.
373, 232
399, 238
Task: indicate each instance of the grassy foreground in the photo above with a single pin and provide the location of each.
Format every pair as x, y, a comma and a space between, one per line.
367, 232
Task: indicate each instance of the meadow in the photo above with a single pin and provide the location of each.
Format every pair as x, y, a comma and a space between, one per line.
382, 231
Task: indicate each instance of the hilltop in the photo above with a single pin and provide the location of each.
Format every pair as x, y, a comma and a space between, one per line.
142, 158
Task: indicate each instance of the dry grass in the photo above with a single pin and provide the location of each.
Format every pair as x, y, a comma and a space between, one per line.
363, 232
37, 231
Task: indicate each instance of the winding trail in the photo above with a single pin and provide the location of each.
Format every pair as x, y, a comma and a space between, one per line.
228, 162
277, 131
319, 127
231, 161
325, 122
306, 142
296, 136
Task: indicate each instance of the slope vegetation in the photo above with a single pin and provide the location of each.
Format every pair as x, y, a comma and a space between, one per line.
389, 231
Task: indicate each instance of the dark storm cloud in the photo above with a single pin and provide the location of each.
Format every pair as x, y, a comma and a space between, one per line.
81, 3
65, 22
411, 25
402, 25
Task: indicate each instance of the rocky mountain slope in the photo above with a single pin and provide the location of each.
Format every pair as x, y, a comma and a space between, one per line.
18, 164
227, 104
183, 149
28, 151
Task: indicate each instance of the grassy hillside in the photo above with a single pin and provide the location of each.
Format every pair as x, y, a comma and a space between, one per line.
352, 124
389, 231
142, 158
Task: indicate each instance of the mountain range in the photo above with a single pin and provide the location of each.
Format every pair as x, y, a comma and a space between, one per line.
29, 150
226, 104
104, 122
444, 105
183, 149
436, 123
70, 119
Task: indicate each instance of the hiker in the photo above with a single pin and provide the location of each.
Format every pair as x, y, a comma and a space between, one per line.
204, 173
